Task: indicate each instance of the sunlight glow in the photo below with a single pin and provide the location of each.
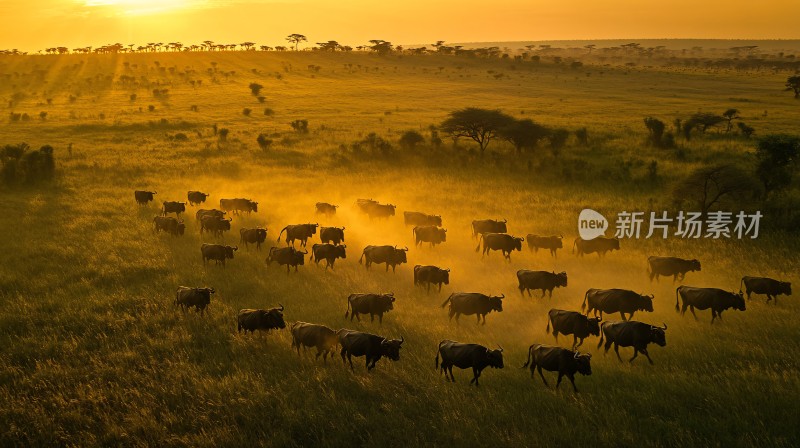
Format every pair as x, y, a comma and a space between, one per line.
140, 7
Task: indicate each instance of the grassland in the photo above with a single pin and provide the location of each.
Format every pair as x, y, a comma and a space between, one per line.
95, 354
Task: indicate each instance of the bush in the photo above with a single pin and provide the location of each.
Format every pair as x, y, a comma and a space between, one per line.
261, 99
223, 134
263, 142
411, 139
246, 112
300, 126
269, 112
21, 166
583, 136
133, 97
558, 139
255, 88
151, 108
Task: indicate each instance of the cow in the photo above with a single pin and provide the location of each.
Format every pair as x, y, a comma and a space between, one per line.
632, 334
431, 275
312, 335
499, 241
620, 301
465, 356
574, 323
217, 252
373, 347
718, 300
764, 285
557, 359
199, 298
213, 212
473, 303
333, 235
392, 256
196, 197
173, 207
599, 245
143, 197
421, 219
288, 256
671, 266
429, 234
488, 226
215, 225
169, 224
365, 204
323, 208
252, 236
553, 243
378, 210
327, 252
300, 232
546, 281
371, 304
264, 320
237, 205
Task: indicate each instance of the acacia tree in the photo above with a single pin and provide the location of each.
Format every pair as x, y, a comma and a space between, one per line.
776, 155
524, 134
730, 115
296, 39
793, 84
481, 125
708, 186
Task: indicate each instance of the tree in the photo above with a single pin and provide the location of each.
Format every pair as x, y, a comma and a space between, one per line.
776, 155
656, 129
330, 45
524, 134
255, 88
380, 46
247, 45
411, 139
708, 186
746, 130
793, 84
481, 125
730, 115
703, 120
296, 39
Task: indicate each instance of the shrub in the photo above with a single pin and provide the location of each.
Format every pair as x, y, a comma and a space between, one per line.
300, 126
583, 136
269, 112
246, 112
255, 88
261, 99
411, 139
263, 142
223, 134
151, 108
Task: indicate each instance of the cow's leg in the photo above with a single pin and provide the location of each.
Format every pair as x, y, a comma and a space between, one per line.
748, 294
691, 308
769, 297
574, 346
622, 315
476, 374
368, 360
478, 317
635, 354
571, 377
550, 292
544, 291
371, 317
560, 377
457, 316
608, 345
452, 314
380, 318
529, 292
616, 350
539, 368
644, 350
429, 288
387, 267
452, 378
343, 353
350, 359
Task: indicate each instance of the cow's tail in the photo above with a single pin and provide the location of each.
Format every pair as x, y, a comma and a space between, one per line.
574, 244
548, 324
279, 235
447, 301
530, 355
602, 336
438, 350
740, 284
677, 293
480, 237
347, 313
585, 297
362, 256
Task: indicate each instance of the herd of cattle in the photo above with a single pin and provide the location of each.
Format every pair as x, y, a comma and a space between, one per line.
428, 228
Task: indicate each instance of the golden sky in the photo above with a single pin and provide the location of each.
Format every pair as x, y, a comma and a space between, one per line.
35, 24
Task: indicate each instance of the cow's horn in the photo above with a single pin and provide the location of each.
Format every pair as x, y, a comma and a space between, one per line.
402, 339
230, 219
505, 220
501, 348
665, 326
577, 354
448, 269
652, 296
406, 249
280, 306
304, 252
502, 296
343, 228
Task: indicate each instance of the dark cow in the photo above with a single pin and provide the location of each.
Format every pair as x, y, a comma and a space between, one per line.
373, 347
300, 232
600, 245
217, 252
199, 298
378, 210
312, 335
323, 208
173, 207
264, 320
553, 243
237, 205
574, 323
466, 356
392, 256
429, 234
215, 225
546, 281
196, 197
557, 359
764, 285
327, 252
213, 212
427, 275
488, 226
371, 304
364, 204
473, 303
421, 219
632, 334
143, 197
718, 300
499, 241
333, 235
620, 301
253, 236
671, 266
288, 256
169, 224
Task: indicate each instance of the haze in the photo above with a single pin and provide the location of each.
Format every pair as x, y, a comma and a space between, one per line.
31, 25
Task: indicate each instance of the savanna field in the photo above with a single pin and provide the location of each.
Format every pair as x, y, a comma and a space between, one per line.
95, 353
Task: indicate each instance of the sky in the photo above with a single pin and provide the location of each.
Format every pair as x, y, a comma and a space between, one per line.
31, 25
